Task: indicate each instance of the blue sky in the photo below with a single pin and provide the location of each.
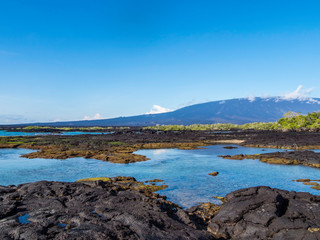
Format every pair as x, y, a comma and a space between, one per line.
71, 60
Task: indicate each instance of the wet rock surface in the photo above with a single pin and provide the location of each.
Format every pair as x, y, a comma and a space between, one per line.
266, 213
92, 210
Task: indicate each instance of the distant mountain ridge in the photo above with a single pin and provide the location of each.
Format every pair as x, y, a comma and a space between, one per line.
237, 111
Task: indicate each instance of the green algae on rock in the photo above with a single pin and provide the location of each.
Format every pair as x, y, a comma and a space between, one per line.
306, 158
312, 183
128, 183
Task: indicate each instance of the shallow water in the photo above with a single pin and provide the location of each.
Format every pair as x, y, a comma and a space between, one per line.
185, 171
11, 134
24, 219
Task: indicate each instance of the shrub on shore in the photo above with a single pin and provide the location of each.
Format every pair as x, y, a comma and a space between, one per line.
291, 121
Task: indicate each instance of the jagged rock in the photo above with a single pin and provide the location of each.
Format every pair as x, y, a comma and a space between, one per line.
104, 210
266, 213
120, 209
201, 214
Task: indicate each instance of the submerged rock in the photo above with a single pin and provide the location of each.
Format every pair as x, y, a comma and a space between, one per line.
154, 180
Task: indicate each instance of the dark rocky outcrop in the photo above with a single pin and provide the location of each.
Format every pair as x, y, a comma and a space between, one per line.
230, 147
266, 213
306, 158
120, 209
92, 210
120, 146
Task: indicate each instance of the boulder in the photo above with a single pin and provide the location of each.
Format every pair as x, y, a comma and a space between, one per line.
266, 213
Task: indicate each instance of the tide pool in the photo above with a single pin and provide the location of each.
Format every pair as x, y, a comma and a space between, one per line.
184, 171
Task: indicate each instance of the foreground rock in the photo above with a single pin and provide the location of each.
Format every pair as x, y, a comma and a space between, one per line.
306, 158
122, 208
265, 213
92, 210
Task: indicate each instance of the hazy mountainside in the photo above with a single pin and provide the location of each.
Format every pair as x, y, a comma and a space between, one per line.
236, 111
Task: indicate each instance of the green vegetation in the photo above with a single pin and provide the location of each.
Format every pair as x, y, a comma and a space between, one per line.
105, 179
311, 121
217, 127
291, 121
35, 128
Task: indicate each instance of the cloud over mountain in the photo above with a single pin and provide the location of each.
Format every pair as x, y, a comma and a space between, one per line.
95, 117
158, 109
299, 93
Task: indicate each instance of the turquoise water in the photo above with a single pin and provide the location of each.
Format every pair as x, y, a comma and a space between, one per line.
185, 171
11, 134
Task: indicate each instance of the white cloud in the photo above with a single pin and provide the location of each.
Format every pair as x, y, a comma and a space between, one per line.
299, 93
95, 117
251, 98
158, 109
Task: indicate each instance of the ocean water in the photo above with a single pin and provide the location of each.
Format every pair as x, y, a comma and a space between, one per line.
184, 171
11, 134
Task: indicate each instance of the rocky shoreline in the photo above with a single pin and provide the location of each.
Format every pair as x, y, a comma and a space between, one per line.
306, 158
123, 208
119, 209
119, 147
